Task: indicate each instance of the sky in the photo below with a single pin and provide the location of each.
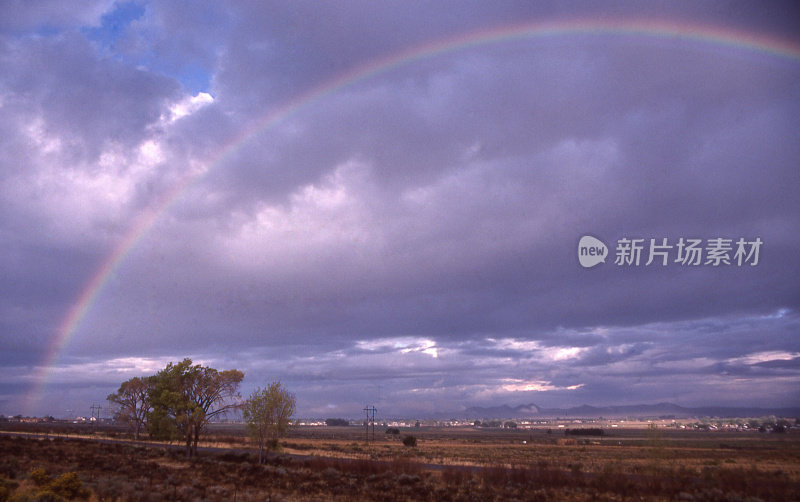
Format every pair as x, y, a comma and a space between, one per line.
383, 203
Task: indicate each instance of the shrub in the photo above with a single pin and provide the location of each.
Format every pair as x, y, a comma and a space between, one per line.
408, 479
496, 475
404, 465
410, 441
4, 490
69, 486
9, 466
393, 430
39, 477
47, 496
455, 476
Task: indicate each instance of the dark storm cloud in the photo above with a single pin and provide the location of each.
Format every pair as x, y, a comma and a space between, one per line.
281, 48
88, 103
413, 233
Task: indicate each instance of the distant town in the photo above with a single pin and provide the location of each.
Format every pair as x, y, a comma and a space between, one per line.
767, 424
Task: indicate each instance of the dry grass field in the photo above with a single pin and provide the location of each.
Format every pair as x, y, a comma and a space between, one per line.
336, 463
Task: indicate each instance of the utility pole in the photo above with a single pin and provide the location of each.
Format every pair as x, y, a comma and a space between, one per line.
95, 413
370, 420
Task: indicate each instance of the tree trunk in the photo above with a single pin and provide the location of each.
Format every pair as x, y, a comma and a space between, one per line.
196, 440
189, 437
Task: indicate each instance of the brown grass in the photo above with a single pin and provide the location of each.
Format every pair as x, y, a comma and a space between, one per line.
446, 465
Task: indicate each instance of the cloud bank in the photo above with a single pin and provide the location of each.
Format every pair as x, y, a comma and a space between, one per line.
407, 238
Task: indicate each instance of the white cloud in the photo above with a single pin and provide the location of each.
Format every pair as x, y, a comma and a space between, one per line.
320, 220
537, 350
187, 106
766, 356
96, 197
402, 345
519, 385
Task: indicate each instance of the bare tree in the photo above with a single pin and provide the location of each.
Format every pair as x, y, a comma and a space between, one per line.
215, 393
133, 399
267, 413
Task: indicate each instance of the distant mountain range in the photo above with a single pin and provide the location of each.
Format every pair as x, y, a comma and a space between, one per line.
638, 410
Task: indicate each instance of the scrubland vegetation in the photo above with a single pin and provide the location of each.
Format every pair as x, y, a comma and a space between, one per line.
447, 464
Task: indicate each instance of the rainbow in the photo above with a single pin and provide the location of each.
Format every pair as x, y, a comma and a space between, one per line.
669, 29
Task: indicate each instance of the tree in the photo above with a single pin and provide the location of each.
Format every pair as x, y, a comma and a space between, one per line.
133, 400
184, 398
173, 414
332, 422
267, 413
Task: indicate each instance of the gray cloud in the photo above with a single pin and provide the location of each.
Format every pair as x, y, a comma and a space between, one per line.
20, 17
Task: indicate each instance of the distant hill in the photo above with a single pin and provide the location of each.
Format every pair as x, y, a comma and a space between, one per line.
639, 410
504, 411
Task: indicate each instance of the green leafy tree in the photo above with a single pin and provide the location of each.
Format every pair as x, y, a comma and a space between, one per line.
171, 408
133, 399
267, 413
184, 397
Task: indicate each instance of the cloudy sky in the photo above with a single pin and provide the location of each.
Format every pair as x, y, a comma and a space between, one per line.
380, 203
